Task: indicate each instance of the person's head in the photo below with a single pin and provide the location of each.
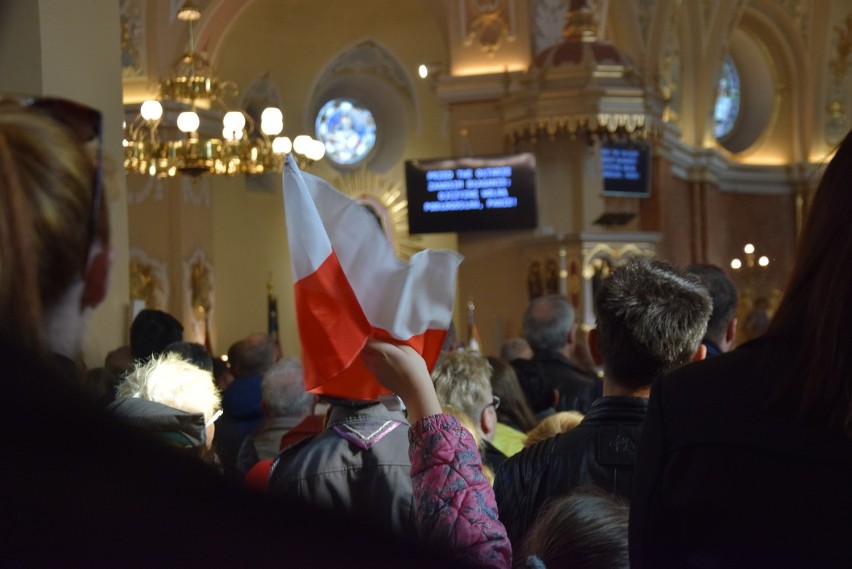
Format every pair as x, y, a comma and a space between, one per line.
816, 309
558, 423
283, 390
722, 326
194, 353
463, 380
515, 348
54, 230
549, 325
153, 330
586, 529
650, 320
541, 396
252, 355
222, 374
514, 409
175, 382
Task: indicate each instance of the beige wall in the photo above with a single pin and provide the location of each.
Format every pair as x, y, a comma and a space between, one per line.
295, 40
250, 239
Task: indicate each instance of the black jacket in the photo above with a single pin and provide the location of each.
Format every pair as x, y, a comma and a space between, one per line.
546, 371
724, 480
600, 451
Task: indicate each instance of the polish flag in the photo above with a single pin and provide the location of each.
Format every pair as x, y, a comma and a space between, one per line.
349, 286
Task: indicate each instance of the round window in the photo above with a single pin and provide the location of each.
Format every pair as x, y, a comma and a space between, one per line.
347, 129
727, 100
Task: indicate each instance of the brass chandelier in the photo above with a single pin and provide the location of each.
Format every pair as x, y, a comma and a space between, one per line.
155, 148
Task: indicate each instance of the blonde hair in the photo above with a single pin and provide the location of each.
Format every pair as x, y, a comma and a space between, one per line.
557, 423
173, 381
463, 380
46, 194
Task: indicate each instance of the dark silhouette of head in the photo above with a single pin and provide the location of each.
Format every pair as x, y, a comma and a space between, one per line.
549, 323
724, 295
194, 353
153, 330
586, 529
252, 355
650, 320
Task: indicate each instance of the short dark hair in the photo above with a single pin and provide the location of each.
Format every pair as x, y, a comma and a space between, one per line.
153, 330
586, 529
650, 319
547, 322
724, 295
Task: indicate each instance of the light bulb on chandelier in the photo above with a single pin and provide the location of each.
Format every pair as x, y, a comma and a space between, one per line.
187, 91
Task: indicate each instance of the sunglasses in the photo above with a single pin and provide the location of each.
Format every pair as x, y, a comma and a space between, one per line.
84, 124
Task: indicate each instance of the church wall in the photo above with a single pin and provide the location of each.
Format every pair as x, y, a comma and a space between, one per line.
701, 215
250, 238
669, 205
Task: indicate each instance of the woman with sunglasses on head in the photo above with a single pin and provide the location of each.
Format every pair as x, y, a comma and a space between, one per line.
54, 234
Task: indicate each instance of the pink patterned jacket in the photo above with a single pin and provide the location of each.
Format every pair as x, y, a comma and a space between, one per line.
455, 507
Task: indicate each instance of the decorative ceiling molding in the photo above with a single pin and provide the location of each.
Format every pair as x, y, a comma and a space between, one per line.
799, 11
548, 21
713, 166
646, 12
489, 23
369, 57
134, 61
151, 186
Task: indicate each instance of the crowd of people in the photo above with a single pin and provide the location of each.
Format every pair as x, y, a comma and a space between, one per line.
647, 441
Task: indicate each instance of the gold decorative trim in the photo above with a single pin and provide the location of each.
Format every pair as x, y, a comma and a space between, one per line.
387, 202
608, 253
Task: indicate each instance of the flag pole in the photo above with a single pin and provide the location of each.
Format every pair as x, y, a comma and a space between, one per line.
272, 313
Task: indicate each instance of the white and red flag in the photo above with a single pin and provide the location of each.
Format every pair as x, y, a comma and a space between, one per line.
349, 285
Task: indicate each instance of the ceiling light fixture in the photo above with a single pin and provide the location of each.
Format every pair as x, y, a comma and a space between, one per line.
153, 147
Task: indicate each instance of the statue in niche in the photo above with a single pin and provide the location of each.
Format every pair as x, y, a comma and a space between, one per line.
202, 287
146, 284
551, 276
535, 282
201, 295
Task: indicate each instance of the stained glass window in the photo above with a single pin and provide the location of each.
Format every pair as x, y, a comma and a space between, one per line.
728, 99
347, 129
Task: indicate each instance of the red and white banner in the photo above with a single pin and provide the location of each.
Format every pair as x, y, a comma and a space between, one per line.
349, 285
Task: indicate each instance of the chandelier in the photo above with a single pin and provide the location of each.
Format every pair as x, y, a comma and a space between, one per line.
153, 146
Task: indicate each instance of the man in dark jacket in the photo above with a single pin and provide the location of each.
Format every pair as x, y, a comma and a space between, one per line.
650, 320
722, 327
241, 401
358, 466
550, 331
